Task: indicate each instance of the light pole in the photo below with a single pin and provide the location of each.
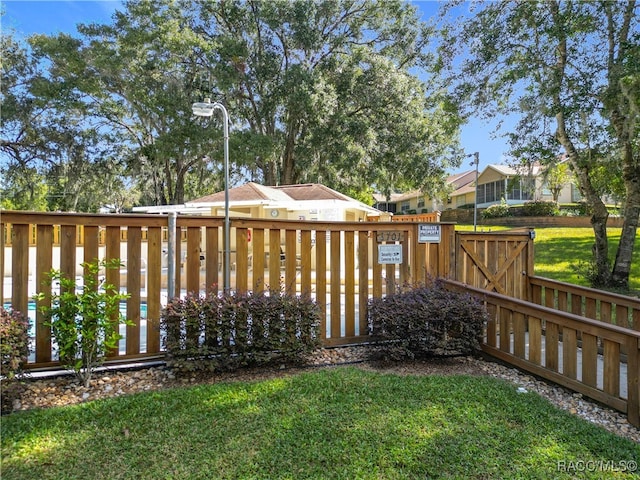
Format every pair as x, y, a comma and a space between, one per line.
476, 161
205, 109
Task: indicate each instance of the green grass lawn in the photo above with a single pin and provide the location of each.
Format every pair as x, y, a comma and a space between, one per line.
341, 423
559, 252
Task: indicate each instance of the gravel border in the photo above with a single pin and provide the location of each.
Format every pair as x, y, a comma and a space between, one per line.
63, 389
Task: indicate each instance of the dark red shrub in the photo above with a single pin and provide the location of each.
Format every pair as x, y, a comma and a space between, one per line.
224, 332
14, 342
426, 320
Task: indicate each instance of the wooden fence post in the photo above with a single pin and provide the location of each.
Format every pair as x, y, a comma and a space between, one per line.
154, 287
112, 246
530, 265
44, 263
633, 383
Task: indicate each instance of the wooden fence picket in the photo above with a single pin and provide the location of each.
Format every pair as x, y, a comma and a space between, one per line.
536, 324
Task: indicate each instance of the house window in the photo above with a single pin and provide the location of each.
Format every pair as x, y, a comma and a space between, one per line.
520, 189
480, 192
515, 193
500, 188
528, 188
404, 206
490, 192
509, 189
421, 202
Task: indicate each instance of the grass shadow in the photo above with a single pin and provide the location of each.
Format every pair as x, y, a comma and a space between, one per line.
334, 423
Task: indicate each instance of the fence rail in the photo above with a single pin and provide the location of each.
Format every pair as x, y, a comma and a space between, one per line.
588, 302
582, 354
334, 262
570, 335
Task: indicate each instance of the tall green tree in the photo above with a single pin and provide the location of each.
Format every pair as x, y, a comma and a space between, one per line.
326, 90
556, 176
23, 185
49, 153
316, 91
135, 79
570, 71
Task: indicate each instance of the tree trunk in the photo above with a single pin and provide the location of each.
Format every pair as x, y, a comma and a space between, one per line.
623, 117
624, 255
169, 182
599, 216
270, 172
287, 176
178, 194
622, 265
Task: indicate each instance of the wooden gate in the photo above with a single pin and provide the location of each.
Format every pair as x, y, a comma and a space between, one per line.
496, 261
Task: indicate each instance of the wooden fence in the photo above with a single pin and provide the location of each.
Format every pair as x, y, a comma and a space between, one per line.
587, 302
334, 262
581, 354
573, 336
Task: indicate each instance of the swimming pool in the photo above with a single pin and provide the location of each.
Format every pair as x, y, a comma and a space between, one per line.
31, 314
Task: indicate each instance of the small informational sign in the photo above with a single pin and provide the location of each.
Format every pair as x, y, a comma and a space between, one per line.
429, 233
313, 237
389, 254
390, 236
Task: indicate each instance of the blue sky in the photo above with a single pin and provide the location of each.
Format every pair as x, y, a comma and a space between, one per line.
27, 17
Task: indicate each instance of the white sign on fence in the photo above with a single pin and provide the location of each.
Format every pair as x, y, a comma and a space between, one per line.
389, 254
429, 233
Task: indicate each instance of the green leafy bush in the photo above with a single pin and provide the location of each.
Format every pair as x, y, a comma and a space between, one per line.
85, 319
228, 331
426, 320
540, 209
14, 342
575, 209
498, 210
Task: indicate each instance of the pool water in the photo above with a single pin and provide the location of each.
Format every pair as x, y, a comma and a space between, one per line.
31, 314
123, 309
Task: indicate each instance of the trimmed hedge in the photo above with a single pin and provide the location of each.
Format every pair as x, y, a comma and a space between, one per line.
425, 321
14, 350
229, 331
14, 342
540, 209
498, 210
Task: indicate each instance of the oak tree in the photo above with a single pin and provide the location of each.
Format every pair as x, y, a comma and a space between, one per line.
570, 71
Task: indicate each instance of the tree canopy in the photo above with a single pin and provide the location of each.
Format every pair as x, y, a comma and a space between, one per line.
336, 92
570, 71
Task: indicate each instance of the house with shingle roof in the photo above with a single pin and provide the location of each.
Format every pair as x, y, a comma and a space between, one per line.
516, 185
461, 192
310, 201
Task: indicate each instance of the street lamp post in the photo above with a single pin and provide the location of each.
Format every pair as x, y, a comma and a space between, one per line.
205, 109
476, 161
